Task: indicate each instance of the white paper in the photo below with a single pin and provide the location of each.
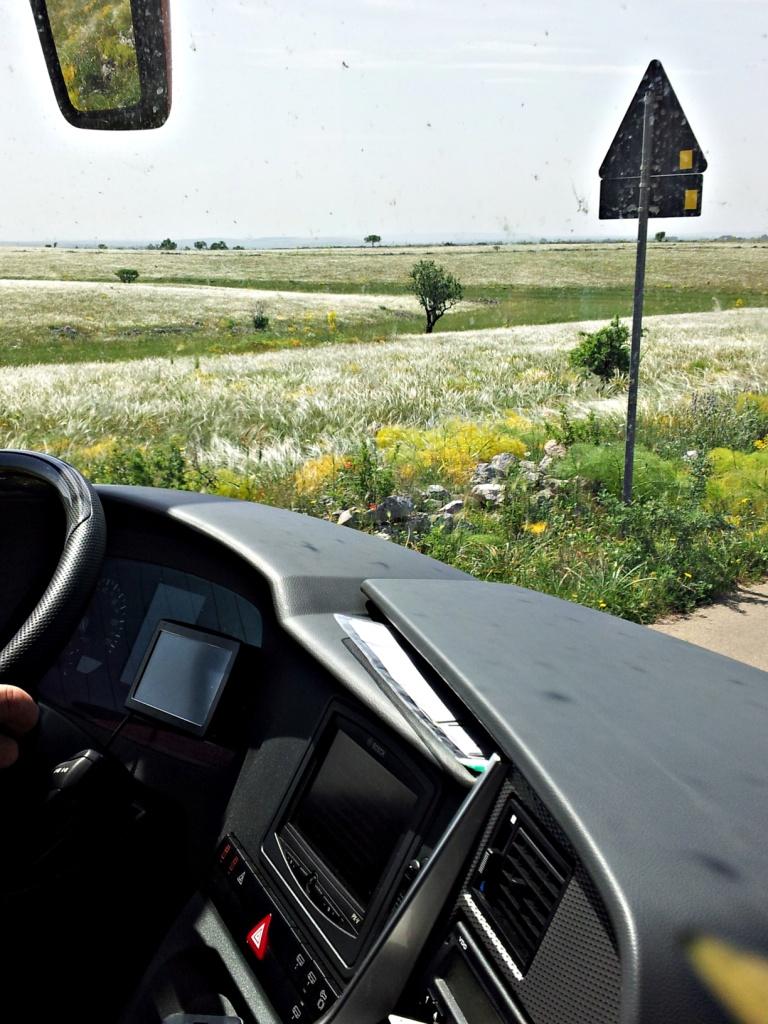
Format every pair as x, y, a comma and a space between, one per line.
381, 650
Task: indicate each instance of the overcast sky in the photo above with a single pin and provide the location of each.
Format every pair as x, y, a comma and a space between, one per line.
450, 118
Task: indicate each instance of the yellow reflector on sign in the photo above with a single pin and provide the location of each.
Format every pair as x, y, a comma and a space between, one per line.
691, 199
686, 159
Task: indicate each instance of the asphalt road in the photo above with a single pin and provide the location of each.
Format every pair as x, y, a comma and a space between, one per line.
736, 626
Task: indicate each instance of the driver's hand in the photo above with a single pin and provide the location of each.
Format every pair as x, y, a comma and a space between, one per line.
18, 715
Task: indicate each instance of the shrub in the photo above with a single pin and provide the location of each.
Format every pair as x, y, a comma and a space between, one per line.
163, 464
318, 474
449, 453
260, 318
707, 421
604, 352
739, 482
601, 468
127, 275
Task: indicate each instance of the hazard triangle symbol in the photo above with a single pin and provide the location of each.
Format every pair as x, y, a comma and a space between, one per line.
258, 935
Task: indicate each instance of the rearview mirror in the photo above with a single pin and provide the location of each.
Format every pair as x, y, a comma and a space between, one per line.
109, 60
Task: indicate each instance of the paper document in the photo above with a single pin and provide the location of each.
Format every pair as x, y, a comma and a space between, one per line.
380, 648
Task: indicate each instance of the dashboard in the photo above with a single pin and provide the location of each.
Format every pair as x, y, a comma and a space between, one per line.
470, 817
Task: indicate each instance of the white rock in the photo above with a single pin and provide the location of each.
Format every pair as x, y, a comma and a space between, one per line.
488, 494
484, 473
348, 517
452, 507
554, 449
503, 462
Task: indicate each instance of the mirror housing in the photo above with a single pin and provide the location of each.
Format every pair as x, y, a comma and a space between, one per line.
112, 72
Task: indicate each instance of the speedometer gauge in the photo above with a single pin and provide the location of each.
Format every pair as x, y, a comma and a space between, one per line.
100, 630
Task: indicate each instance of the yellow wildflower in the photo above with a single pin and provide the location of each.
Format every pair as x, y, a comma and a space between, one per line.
535, 528
316, 474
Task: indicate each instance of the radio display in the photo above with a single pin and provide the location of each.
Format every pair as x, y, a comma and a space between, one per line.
353, 815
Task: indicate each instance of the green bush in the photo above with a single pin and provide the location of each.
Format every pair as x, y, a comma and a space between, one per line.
601, 468
707, 421
161, 465
260, 318
127, 275
604, 352
739, 482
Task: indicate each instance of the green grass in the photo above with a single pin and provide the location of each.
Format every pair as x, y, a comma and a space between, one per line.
531, 305
43, 331
202, 303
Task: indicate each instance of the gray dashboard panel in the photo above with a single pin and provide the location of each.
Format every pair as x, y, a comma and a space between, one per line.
651, 753
311, 565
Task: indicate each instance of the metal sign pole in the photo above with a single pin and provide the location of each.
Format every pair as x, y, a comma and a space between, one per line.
637, 309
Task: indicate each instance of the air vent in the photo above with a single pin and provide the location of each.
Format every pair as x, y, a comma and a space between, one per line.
519, 883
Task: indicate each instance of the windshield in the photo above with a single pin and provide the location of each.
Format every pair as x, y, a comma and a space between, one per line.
368, 270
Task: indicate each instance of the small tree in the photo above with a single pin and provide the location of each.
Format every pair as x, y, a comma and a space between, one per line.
660, 236
436, 290
372, 239
604, 352
218, 245
167, 243
127, 275
201, 245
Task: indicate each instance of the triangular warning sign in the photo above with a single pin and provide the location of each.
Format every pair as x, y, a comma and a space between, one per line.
240, 878
675, 149
258, 936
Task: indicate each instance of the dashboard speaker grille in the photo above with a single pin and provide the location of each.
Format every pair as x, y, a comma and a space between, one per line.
519, 883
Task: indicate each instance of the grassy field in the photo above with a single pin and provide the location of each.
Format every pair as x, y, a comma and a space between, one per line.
733, 267
269, 412
71, 321
65, 305
342, 400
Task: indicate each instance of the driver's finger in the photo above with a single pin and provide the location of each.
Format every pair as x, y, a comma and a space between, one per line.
18, 711
9, 751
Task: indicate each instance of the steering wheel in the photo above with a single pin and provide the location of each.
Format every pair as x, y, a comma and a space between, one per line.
57, 612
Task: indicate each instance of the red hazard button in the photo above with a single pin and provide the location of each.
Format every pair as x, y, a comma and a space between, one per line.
258, 935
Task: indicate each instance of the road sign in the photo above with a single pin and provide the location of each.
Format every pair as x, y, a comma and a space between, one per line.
654, 168
671, 195
676, 162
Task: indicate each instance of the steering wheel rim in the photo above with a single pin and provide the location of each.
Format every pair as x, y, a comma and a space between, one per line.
59, 609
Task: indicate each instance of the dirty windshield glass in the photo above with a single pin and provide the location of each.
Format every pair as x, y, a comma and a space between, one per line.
489, 281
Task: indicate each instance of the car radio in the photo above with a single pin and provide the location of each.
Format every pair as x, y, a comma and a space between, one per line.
343, 848
345, 840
